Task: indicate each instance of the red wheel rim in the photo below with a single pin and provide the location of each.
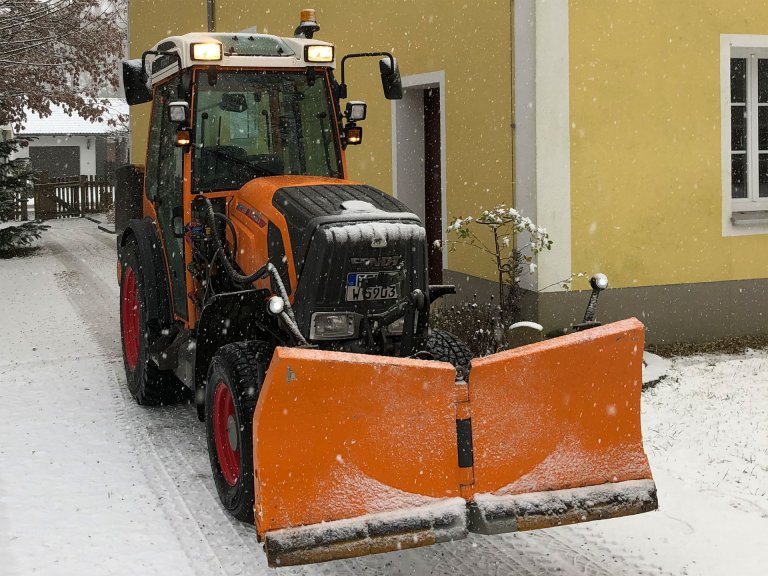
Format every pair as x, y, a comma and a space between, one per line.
130, 316
224, 427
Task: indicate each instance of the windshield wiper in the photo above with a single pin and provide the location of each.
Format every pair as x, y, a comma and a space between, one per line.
255, 167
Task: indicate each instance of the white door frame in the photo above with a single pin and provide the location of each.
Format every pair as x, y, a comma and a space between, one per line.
422, 82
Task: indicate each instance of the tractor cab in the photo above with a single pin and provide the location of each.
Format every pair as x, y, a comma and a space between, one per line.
248, 105
232, 108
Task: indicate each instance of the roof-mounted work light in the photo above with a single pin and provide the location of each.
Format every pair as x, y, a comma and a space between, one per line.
319, 53
206, 51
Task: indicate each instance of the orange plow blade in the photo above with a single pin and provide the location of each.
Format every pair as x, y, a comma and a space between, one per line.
357, 454
556, 432
354, 455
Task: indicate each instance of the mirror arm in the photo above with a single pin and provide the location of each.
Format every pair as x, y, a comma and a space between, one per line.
343, 85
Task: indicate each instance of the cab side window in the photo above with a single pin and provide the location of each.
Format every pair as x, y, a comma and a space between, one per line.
165, 188
153, 149
170, 156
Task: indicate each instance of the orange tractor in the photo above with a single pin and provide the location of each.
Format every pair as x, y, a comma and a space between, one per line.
295, 304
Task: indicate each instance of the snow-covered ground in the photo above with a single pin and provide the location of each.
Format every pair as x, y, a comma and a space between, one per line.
92, 484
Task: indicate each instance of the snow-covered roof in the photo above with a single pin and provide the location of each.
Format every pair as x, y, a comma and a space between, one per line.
59, 122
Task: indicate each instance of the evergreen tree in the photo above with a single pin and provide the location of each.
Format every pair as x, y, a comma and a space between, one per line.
15, 185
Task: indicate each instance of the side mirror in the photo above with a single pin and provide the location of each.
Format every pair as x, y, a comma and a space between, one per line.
178, 111
135, 83
390, 79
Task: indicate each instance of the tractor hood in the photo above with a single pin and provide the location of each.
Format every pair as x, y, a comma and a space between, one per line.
299, 205
328, 238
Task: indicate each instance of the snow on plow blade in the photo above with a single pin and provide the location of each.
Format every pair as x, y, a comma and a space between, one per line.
354, 455
556, 432
357, 454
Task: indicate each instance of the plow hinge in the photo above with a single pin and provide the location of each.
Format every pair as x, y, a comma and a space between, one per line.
464, 438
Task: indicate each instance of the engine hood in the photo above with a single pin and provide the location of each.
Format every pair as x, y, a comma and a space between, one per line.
299, 205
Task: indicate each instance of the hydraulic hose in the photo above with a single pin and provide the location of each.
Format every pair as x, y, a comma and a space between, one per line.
221, 253
231, 227
267, 269
280, 288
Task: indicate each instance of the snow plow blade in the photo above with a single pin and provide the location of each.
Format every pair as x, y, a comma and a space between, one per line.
354, 455
556, 432
357, 454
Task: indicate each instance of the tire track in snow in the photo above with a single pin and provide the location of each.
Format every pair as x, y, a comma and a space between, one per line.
93, 310
169, 441
164, 466
164, 430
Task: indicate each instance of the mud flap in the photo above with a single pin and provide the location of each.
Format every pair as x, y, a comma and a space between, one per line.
556, 432
353, 455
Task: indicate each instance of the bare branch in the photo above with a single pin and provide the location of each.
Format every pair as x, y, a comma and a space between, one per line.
62, 52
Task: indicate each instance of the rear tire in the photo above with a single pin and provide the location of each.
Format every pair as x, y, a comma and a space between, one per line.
446, 347
147, 383
234, 381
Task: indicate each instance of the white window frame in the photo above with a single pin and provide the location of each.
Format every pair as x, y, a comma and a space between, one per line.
750, 47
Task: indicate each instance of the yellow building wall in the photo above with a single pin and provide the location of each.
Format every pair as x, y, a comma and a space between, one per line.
646, 141
470, 41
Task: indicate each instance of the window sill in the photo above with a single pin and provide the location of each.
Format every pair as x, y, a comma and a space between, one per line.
751, 218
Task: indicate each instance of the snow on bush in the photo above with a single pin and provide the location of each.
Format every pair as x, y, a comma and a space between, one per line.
512, 242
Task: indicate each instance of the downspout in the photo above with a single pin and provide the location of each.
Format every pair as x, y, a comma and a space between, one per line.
211, 15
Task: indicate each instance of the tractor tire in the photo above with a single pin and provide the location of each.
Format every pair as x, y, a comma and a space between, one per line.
235, 377
445, 347
148, 384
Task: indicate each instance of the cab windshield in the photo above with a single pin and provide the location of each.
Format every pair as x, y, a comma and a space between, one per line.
262, 123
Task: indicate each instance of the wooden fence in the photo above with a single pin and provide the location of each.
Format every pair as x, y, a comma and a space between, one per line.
20, 209
68, 197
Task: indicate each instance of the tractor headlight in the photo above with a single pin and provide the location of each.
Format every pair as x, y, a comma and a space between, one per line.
206, 51
320, 53
396, 327
332, 325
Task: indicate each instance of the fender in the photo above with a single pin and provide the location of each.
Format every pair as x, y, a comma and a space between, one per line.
154, 272
244, 314
247, 319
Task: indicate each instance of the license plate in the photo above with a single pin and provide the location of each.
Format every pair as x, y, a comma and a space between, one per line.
356, 292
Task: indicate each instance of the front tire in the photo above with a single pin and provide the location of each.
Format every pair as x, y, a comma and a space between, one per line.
446, 347
234, 381
147, 383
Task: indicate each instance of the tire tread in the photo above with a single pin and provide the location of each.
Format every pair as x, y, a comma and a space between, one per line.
149, 385
447, 347
245, 363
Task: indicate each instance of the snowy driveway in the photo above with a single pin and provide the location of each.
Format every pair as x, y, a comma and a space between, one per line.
90, 483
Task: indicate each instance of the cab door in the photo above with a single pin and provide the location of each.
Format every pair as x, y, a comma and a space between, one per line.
164, 180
